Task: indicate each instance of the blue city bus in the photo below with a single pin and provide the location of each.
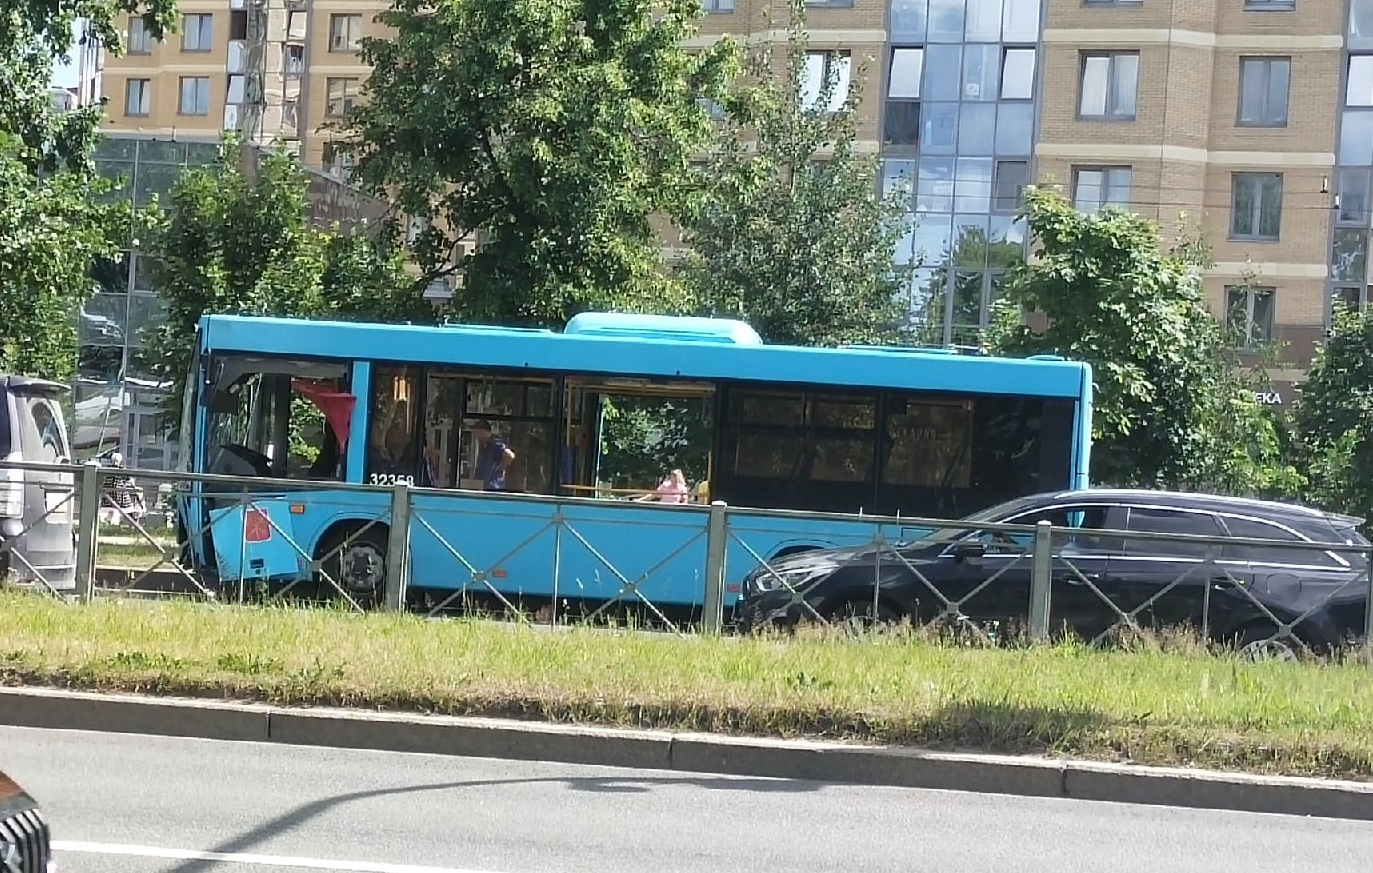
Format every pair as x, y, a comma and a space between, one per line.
536, 455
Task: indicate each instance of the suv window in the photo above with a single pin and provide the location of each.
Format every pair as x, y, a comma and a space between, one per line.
1327, 531
1170, 521
1085, 521
6, 437
42, 436
1253, 528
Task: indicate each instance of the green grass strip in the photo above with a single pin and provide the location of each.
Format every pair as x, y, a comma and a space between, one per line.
1171, 703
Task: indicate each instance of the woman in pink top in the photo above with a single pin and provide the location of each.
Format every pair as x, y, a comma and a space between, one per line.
673, 489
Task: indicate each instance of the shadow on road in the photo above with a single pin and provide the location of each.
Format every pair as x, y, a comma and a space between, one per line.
244, 843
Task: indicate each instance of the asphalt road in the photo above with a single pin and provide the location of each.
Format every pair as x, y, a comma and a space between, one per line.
145, 805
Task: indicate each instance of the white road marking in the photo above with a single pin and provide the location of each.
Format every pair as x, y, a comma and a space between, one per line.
241, 858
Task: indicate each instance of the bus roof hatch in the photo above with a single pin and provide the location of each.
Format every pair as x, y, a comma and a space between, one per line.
680, 328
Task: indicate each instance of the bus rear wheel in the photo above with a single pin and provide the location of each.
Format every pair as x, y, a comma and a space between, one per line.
357, 564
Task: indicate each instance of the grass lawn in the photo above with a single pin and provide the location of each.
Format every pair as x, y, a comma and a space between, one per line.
1160, 704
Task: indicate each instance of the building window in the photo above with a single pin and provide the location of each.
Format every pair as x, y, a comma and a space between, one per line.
1349, 256
901, 122
1112, 2
197, 33
1358, 90
1249, 313
719, 6
1359, 33
140, 41
293, 61
826, 70
345, 32
1098, 188
1018, 74
340, 95
1256, 206
138, 96
1109, 84
1353, 297
339, 161
1351, 196
1270, 5
1264, 86
195, 95
1008, 185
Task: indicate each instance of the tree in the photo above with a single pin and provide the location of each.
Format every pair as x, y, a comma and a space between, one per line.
55, 226
787, 231
33, 33
237, 239
51, 232
1334, 416
550, 132
1174, 407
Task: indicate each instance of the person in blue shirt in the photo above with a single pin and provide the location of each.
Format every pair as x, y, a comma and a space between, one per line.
494, 457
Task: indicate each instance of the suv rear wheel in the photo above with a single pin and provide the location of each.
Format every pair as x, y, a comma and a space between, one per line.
1262, 643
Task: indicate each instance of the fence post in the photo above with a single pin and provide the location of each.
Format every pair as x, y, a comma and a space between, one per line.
398, 548
717, 538
87, 530
1041, 581
1368, 604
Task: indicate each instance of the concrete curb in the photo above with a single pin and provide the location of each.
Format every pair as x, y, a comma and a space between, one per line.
690, 753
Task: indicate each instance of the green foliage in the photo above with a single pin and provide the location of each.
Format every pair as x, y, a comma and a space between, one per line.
644, 437
56, 224
1174, 408
1334, 417
785, 230
51, 231
240, 242
33, 33
548, 130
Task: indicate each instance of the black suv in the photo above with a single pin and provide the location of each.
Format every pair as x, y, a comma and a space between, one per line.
1102, 577
25, 845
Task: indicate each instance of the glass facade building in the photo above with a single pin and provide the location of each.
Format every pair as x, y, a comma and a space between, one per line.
1354, 156
117, 397
958, 122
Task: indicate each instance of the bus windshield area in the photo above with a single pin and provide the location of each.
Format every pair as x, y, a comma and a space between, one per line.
277, 418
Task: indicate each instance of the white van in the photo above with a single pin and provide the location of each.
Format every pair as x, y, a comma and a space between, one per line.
37, 509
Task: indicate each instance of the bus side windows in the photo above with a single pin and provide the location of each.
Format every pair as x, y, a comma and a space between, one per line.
393, 450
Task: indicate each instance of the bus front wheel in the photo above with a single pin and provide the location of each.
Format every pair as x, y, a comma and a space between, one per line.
357, 564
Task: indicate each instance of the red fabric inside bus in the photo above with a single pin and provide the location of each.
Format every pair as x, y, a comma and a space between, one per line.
337, 406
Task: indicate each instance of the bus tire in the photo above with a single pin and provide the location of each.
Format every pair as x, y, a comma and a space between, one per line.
357, 563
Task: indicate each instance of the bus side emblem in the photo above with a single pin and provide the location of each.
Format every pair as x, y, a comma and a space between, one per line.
256, 526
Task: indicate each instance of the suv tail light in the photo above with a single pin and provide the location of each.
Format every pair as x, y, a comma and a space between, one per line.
12, 488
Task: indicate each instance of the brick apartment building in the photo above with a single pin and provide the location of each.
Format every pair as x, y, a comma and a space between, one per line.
1252, 117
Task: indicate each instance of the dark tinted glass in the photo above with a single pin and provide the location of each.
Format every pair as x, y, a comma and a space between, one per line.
5, 439
798, 450
929, 454
949, 457
1081, 535
1262, 530
1170, 521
